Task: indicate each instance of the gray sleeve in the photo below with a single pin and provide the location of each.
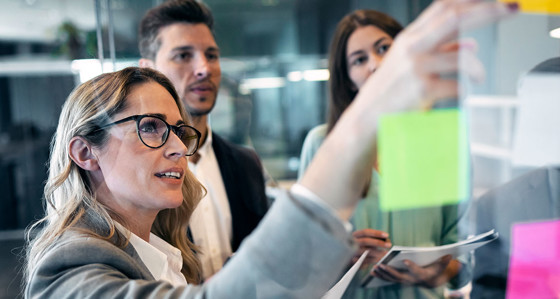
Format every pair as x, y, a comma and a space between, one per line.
292, 253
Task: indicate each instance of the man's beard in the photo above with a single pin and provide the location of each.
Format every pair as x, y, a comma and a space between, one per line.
199, 112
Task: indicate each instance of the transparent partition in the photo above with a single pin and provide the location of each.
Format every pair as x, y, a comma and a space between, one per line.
274, 91
38, 42
514, 143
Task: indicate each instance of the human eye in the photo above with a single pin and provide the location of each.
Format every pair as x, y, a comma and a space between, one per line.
212, 56
181, 131
182, 56
382, 50
151, 126
359, 60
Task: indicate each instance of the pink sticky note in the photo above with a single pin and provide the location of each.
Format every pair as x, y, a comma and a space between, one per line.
534, 267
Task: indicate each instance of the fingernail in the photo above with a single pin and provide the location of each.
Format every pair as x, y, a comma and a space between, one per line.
388, 245
513, 6
468, 46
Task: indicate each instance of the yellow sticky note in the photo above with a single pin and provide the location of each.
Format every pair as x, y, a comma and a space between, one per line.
537, 6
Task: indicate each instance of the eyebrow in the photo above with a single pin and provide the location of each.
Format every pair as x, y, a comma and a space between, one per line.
191, 48
375, 45
164, 117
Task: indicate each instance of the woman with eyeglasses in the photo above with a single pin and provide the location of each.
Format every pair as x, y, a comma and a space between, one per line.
360, 43
119, 192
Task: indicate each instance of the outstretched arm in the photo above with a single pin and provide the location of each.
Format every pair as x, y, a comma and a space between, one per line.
409, 79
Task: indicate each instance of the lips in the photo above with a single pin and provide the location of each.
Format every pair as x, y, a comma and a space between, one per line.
172, 173
202, 87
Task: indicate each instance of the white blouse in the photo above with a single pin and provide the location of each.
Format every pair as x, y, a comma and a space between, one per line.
162, 259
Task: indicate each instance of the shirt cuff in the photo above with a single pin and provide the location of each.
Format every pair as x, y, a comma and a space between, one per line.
317, 205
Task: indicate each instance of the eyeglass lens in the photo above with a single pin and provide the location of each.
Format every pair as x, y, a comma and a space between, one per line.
154, 133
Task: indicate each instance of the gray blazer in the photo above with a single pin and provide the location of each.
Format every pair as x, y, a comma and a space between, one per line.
530, 197
296, 252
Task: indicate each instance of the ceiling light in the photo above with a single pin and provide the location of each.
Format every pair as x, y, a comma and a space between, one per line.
262, 83
295, 76
316, 75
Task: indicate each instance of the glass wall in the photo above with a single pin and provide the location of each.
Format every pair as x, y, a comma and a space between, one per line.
273, 89
38, 41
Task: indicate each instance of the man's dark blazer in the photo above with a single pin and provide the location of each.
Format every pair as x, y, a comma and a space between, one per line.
530, 197
242, 174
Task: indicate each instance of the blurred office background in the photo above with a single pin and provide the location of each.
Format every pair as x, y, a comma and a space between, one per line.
273, 89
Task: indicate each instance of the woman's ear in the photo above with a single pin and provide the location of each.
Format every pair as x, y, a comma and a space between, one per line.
81, 153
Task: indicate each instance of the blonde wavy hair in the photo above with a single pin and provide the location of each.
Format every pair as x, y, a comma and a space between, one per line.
68, 191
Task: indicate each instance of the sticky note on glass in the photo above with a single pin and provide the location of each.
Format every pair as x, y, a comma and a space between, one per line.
537, 6
423, 159
534, 267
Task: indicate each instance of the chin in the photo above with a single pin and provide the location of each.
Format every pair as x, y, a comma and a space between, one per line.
199, 111
172, 201
200, 107
177, 202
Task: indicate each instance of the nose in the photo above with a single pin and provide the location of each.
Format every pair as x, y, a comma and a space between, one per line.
175, 148
201, 69
374, 62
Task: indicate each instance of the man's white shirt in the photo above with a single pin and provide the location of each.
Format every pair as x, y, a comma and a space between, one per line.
211, 223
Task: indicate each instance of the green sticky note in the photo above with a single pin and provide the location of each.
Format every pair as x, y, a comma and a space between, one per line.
423, 159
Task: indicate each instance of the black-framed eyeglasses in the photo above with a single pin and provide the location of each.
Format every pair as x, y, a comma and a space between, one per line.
153, 131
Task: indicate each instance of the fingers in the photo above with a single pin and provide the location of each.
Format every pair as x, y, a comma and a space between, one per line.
472, 67
371, 233
430, 271
452, 57
486, 13
376, 241
393, 275
464, 43
436, 68
373, 243
371, 258
443, 20
442, 262
377, 249
438, 63
372, 238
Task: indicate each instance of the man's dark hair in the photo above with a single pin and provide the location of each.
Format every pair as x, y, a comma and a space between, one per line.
551, 65
165, 14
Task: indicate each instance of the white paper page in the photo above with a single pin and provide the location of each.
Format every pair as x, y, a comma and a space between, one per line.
424, 258
337, 291
537, 131
427, 255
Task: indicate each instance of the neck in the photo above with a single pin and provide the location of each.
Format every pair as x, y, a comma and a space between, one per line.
140, 227
136, 221
201, 124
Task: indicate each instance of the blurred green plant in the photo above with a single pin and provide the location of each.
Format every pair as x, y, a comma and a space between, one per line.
71, 40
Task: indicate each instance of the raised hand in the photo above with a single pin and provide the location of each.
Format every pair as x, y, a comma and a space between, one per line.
410, 78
